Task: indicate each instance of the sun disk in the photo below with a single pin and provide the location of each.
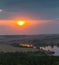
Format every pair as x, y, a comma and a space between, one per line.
21, 23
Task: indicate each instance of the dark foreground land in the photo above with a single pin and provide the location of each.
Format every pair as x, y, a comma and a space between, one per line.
25, 59
14, 55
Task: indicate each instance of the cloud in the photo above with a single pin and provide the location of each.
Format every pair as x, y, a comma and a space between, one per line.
1, 10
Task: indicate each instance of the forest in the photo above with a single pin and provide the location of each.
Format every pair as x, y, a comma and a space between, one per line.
25, 59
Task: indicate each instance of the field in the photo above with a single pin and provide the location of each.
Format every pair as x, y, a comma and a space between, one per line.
9, 48
9, 43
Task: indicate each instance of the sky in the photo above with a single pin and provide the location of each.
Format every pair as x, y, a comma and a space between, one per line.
42, 17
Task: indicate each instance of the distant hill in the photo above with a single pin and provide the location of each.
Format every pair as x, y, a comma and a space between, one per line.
41, 40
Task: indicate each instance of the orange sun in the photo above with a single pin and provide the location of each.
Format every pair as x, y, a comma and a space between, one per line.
21, 23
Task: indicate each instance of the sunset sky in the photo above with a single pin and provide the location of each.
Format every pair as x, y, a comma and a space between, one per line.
41, 16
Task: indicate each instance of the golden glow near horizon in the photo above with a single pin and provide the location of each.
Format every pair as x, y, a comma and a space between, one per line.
21, 23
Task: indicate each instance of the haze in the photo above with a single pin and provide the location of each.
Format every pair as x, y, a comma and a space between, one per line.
42, 16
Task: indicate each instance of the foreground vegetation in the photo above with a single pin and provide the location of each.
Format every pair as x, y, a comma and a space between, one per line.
25, 59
